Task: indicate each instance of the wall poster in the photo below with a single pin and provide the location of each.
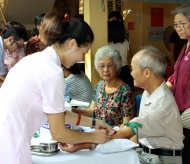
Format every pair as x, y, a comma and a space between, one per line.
157, 17
156, 33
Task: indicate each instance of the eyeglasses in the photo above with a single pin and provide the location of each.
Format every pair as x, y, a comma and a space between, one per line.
19, 46
108, 66
181, 25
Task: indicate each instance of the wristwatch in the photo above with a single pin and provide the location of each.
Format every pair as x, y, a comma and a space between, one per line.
93, 146
93, 123
93, 119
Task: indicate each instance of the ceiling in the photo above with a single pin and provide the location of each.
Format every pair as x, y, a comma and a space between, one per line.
163, 1
26, 10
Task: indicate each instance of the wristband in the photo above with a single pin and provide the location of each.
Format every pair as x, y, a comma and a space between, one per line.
93, 146
93, 123
78, 121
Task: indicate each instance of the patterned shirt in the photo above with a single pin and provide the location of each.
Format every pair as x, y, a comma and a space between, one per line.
112, 107
11, 59
79, 87
34, 45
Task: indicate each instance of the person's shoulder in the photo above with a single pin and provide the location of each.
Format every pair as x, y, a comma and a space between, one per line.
125, 87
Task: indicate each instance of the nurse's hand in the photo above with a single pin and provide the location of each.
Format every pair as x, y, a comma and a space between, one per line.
101, 136
102, 125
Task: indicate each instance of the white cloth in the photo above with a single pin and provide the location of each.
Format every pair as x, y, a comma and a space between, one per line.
2, 55
116, 145
31, 89
160, 118
88, 156
122, 48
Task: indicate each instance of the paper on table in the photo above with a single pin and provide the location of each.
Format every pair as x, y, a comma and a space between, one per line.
78, 103
67, 106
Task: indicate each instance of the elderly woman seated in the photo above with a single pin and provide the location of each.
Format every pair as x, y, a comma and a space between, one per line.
113, 100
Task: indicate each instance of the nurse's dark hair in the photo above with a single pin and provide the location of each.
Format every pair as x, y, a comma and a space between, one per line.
74, 69
153, 59
15, 29
183, 9
55, 30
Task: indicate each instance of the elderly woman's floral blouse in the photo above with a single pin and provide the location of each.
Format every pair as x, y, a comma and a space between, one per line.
112, 107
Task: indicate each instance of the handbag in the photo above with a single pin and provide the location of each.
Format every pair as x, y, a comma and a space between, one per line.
185, 118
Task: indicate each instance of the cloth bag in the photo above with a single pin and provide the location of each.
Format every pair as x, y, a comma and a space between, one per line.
185, 118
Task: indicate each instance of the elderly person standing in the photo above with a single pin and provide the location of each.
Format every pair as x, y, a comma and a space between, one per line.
179, 82
113, 102
161, 134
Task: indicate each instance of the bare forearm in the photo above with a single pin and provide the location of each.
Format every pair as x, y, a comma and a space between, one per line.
74, 148
85, 112
124, 132
85, 146
71, 118
65, 135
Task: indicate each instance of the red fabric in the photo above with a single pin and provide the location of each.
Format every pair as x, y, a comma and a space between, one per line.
34, 45
169, 71
181, 80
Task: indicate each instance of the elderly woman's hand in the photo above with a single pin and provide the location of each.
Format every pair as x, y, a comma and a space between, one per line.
74, 148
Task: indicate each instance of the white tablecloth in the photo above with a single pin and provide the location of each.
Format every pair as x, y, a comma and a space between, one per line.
88, 156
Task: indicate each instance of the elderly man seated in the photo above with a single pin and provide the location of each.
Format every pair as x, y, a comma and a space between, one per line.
161, 134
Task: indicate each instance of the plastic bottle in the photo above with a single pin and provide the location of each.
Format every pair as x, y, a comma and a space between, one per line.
67, 97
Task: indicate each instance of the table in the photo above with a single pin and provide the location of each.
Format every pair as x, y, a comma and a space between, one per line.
88, 156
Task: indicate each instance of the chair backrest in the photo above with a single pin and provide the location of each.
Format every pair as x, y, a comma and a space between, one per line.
138, 101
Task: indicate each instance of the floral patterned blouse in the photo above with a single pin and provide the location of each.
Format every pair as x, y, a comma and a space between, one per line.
112, 107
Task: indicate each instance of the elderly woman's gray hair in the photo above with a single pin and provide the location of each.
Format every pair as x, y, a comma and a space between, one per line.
153, 59
108, 51
183, 9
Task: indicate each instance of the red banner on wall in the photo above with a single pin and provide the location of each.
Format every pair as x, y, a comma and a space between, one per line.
157, 17
131, 26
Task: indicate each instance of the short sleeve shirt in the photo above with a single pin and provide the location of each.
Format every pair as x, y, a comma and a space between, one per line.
31, 89
160, 119
112, 107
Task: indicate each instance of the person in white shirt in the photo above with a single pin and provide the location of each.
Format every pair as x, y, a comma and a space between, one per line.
116, 39
31, 93
161, 134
